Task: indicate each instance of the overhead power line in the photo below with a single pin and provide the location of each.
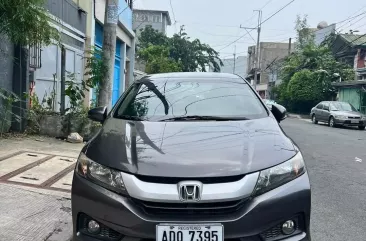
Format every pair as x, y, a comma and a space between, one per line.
349, 22
259, 24
175, 21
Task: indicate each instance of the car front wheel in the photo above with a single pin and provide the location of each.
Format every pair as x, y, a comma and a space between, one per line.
332, 122
314, 120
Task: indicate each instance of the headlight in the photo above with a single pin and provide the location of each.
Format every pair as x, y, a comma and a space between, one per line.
276, 176
363, 118
101, 175
341, 117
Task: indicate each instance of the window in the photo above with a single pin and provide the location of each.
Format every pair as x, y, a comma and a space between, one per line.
342, 106
326, 106
156, 19
320, 106
167, 98
130, 3
140, 17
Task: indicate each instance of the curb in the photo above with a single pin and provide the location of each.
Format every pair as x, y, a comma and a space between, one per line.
296, 116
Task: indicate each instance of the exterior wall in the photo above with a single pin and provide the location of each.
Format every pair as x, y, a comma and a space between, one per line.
156, 19
88, 7
122, 34
67, 10
125, 16
6, 68
6, 63
270, 54
321, 34
240, 66
350, 95
72, 26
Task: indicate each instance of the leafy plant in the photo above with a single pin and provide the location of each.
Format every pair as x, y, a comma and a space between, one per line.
26, 22
184, 54
75, 91
308, 73
94, 70
7, 99
157, 60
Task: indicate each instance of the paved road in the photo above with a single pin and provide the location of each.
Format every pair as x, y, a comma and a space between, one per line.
35, 182
338, 180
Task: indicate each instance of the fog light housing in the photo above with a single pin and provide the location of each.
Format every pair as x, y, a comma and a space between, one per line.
93, 227
288, 227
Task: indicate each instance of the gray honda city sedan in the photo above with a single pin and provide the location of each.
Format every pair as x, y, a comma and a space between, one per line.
190, 157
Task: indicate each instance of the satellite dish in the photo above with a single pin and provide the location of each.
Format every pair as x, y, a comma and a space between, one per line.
322, 25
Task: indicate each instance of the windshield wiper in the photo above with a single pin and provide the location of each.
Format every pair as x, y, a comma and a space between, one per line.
129, 117
204, 117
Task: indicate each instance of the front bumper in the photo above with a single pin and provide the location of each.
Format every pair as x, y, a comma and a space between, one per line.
257, 216
347, 122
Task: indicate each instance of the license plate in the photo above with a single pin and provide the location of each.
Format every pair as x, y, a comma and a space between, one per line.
189, 232
354, 121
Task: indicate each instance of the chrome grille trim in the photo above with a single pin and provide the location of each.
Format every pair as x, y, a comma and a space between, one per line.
168, 193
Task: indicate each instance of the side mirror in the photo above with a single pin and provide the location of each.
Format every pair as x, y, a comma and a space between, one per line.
98, 114
279, 112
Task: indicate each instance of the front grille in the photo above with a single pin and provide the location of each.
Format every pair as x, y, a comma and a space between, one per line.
275, 233
189, 209
354, 117
175, 180
104, 234
272, 233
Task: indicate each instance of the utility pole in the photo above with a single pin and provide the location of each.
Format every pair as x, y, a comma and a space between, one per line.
257, 53
289, 46
108, 53
234, 59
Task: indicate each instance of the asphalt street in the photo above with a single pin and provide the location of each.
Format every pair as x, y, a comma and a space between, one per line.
338, 178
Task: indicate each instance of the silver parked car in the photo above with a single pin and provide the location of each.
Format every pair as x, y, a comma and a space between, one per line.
337, 113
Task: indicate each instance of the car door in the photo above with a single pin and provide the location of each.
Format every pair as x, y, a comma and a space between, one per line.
326, 111
318, 111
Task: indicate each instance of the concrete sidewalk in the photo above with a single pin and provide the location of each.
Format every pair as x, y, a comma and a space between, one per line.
35, 178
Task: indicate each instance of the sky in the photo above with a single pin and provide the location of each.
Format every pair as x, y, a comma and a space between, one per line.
217, 23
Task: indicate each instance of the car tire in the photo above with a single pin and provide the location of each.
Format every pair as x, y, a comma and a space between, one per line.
362, 127
331, 122
314, 120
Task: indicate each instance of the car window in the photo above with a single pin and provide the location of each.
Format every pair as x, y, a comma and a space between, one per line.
326, 106
342, 106
168, 98
319, 106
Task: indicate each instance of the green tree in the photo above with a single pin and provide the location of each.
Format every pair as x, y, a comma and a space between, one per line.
189, 55
157, 60
26, 22
313, 69
149, 36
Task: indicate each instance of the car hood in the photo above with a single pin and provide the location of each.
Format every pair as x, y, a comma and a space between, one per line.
190, 148
347, 113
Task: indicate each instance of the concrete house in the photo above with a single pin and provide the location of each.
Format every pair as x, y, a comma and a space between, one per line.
240, 63
270, 53
158, 20
351, 49
38, 69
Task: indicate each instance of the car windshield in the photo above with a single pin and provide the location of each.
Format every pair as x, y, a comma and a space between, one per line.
170, 98
342, 106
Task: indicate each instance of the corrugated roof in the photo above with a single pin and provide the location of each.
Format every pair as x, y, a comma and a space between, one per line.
355, 40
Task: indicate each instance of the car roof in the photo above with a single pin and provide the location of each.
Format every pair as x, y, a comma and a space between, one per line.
194, 75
